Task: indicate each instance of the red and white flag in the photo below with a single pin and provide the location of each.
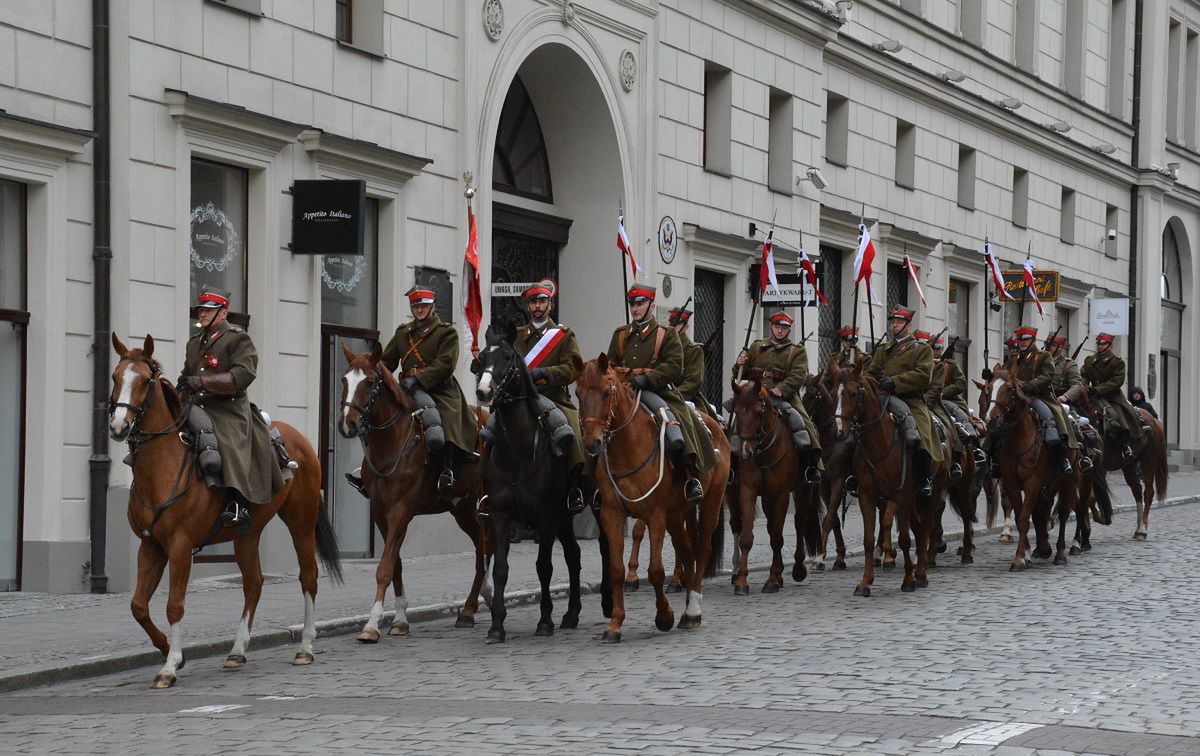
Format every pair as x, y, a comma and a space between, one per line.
473, 303
810, 273
864, 257
912, 273
1032, 291
623, 245
766, 271
995, 268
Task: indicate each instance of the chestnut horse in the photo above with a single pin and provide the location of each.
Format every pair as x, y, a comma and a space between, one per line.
992, 488
174, 512
886, 480
402, 483
769, 467
1029, 473
634, 479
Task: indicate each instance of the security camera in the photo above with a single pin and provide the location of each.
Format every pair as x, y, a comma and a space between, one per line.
813, 175
1112, 234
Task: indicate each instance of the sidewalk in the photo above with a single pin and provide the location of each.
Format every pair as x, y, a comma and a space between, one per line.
52, 638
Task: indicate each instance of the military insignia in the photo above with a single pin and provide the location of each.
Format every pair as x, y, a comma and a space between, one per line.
213, 362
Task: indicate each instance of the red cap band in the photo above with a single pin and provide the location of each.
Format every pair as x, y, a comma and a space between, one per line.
537, 291
938, 343
782, 318
1025, 332
638, 292
209, 298
420, 296
848, 331
900, 312
1104, 338
921, 336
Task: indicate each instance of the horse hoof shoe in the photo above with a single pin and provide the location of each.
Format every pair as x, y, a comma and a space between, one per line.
771, 587
908, 587
673, 588
544, 630
568, 623
368, 636
464, 621
235, 661
741, 590
163, 681
632, 585
839, 566
922, 581
398, 629
303, 659
496, 636
1060, 560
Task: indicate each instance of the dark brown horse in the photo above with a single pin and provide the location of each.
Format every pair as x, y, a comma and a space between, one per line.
634, 479
1029, 472
402, 483
769, 467
961, 494
820, 407
1146, 472
174, 512
992, 489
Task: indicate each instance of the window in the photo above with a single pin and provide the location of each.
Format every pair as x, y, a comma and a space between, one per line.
443, 289
1066, 216
958, 320
219, 211
718, 118
13, 320
897, 285
1025, 34
1117, 26
1020, 198
348, 283
966, 177
779, 145
521, 165
829, 277
837, 129
915, 7
1174, 61
906, 154
1074, 45
972, 20
1111, 218
360, 24
345, 20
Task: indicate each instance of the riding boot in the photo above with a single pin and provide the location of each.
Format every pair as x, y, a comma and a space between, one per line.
578, 483
956, 468
236, 512
924, 470
446, 480
692, 490
355, 480
1126, 449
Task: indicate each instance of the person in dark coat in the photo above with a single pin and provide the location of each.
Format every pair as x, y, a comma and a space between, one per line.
1137, 398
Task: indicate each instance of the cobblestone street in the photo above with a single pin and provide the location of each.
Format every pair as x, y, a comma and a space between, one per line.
1098, 656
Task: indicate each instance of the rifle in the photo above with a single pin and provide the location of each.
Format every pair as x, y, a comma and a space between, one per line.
950, 348
1085, 338
807, 337
1050, 339
940, 334
712, 336
673, 320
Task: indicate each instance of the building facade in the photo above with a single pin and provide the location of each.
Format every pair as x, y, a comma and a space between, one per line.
1039, 125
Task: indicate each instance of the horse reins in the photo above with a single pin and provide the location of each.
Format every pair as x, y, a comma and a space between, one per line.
366, 428
609, 433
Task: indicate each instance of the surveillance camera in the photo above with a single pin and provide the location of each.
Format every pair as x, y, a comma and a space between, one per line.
817, 179
1112, 233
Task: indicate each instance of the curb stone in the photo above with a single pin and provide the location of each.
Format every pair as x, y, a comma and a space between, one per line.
52, 674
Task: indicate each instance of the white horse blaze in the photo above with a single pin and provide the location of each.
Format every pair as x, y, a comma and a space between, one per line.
485, 383
996, 391
353, 378
117, 423
693, 604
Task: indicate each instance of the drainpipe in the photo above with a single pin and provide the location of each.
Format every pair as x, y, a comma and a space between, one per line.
100, 463
1131, 356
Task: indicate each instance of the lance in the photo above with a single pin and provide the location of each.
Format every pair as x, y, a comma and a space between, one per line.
1024, 289
987, 305
754, 306
624, 266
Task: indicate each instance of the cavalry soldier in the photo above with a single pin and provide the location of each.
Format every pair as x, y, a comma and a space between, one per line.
654, 356
1105, 373
903, 368
952, 401
423, 354
693, 362
784, 367
1035, 369
1068, 384
933, 400
220, 363
549, 349
845, 357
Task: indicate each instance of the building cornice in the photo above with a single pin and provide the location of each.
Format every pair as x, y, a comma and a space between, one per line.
361, 157
839, 228
211, 117
48, 139
794, 18
731, 246
896, 238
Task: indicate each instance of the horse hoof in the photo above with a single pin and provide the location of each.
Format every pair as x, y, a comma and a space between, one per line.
941, 548
922, 581
733, 578
1043, 552
673, 588
568, 623
958, 551
770, 587
1005, 538
235, 661
1087, 547
464, 620
1060, 560
908, 587
163, 681
632, 585
798, 572
741, 590
1139, 536
818, 567
967, 559
368, 636
544, 630
303, 659
611, 636
839, 566
863, 590
666, 622
496, 636
1016, 567
878, 561
888, 566
398, 628
1075, 551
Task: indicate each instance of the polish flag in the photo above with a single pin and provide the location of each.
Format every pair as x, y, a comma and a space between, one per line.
623, 245
1029, 282
473, 306
995, 268
912, 273
810, 272
863, 259
766, 271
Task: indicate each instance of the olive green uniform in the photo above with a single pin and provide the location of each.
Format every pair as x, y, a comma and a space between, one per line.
933, 400
842, 358
560, 374
226, 360
910, 365
665, 373
429, 352
693, 375
1067, 380
784, 365
1035, 370
1106, 374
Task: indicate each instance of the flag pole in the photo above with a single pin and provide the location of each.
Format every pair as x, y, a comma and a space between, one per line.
803, 288
862, 219
754, 306
624, 266
1024, 289
987, 305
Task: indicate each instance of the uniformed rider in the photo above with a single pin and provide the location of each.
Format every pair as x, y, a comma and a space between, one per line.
654, 357
953, 398
1105, 373
903, 369
220, 363
933, 400
1035, 370
845, 357
1068, 388
693, 362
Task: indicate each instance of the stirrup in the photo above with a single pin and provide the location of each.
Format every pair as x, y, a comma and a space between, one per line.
851, 485
356, 482
445, 480
955, 471
812, 476
482, 512
1065, 466
596, 501
926, 488
980, 456
1085, 463
1126, 452
575, 503
693, 491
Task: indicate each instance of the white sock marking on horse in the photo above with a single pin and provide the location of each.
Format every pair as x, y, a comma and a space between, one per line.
819, 559
309, 634
693, 604
353, 378
837, 418
117, 424
401, 606
376, 615
175, 651
242, 638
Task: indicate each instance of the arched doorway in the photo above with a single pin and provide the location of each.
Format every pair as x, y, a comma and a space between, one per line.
1174, 295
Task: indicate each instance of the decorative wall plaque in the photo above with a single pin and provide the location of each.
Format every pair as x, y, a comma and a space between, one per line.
493, 19
628, 70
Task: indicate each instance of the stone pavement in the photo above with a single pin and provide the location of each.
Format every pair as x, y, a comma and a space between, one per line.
1097, 656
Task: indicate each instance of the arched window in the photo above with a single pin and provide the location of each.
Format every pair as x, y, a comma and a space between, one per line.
1172, 273
520, 164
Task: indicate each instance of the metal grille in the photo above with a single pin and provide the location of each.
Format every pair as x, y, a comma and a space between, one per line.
829, 278
443, 289
710, 314
522, 259
897, 285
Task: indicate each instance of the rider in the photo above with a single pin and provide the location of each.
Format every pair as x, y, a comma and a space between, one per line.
903, 369
693, 362
654, 357
844, 357
1069, 389
784, 367
423, 354
933, 400
549, 350
1035, 370
1105, 373
220, 364
953, 399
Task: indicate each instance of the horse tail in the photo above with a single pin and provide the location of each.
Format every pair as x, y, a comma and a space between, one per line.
1102, 493
812, 524
1160, 463
993, 499
327, 545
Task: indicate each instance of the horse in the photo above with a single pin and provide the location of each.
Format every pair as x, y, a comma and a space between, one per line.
401, 483
631, 479
1149, 453
522, 479
1030, 476
820, 407
996, 500
961, 494
1094, 499
175, 514
769, 467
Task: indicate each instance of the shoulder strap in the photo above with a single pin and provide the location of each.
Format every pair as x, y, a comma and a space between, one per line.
659, 336
621, 334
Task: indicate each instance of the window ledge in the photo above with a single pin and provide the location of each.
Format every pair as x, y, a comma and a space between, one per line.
784, 192
838, 163
909, 187
239, 7
368, 51
968, 208
718, 172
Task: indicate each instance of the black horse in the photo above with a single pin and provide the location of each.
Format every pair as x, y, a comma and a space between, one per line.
522, 479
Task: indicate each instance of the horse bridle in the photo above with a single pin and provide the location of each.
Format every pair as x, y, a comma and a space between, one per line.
136, 437
502, 396
366, 427
761, 444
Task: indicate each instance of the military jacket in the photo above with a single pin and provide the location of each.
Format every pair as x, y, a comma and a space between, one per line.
558, 362
1106, 374
954, 383
907, 362
1067, 379
937, 384
1035, 370
784, 366
842, 358
693, 369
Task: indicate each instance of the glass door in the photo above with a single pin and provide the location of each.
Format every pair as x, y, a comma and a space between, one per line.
13, 320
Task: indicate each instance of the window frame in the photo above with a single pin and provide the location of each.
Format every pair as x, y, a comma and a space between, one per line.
237, 317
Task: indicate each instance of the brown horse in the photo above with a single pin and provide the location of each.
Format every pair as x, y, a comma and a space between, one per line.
401, 483
961, 494
1149, 455
634, 480
887, 484
174, 512
1029, 473
992, 489
820, 407
769, 467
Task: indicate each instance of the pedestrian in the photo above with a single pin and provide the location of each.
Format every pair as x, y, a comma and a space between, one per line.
1137, 398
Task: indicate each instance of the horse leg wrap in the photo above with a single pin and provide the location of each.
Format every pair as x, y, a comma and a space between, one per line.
431, 420
204, 440
554, 420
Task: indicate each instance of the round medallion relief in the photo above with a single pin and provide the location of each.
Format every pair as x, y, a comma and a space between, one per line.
628, 70
493, 19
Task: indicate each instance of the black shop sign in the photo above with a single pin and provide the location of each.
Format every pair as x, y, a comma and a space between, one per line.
328, 217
